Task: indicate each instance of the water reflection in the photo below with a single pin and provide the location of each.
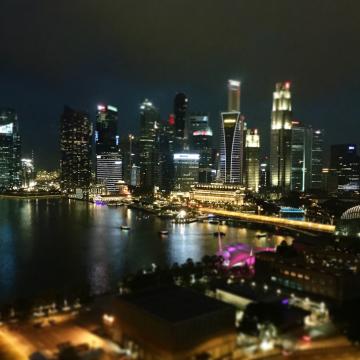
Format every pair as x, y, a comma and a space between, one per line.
55, 247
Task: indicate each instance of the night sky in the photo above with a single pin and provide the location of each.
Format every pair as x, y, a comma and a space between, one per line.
84, 52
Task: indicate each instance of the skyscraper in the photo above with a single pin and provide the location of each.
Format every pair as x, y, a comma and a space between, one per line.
233, 95
180, 112
345, 161
306, 157
108, 157
317, 159
75, 147
10, 150
186, 170
200, 140
148, 144
252, 159
231, 147
301, 149
280, 144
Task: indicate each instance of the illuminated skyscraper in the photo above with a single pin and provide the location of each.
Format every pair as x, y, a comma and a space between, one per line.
345, 162
10, 150
233, 95
280, 144
231, 148
317, 159
180, 110
148, 145
108, 157
186, 170
75, 147
252, 159
200, 140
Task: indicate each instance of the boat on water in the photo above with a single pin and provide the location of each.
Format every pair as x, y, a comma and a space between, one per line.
125, 227
215, 222
219, 233
163, 232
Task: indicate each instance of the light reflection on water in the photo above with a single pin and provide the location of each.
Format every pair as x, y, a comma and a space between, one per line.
62, 248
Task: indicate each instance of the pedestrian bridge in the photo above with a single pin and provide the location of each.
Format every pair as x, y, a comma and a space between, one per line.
295, 224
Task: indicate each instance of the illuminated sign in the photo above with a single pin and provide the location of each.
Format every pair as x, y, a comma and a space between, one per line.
181, 156
101, 107
7, 129
202, 133
96, 135
351, 147
117, 137
112, 108
234, 83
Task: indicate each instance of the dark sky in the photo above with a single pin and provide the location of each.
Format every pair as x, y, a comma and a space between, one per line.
82, 52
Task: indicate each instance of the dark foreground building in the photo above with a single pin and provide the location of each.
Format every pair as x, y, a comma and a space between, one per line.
175, 323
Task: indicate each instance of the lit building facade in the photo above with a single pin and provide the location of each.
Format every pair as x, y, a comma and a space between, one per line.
186, 170
280, 142
75, 147
217, 193
108, 157
252, 159
234, 95
148, 146
27, 173
10, 150
231, 148
200, 139
345, 162
317, 160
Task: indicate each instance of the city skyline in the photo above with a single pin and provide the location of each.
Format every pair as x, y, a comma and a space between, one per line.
107, 62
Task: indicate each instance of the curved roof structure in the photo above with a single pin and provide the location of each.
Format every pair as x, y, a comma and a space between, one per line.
351, 214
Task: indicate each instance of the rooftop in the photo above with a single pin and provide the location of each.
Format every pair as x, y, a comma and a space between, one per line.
175, 304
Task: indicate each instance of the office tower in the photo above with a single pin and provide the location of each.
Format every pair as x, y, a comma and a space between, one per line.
344, 160
280, 142
27, 173
130, 154
108, 157
186, 170
10, 150
317, 159
180, 112
166, 155
252, 159
306, 157
233, 95
231, 148
135, 176
264, 180
200, 140
75, 147
301, 149
148, 146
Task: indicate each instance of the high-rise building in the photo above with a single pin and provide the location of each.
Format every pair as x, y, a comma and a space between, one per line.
200, 139
233, 95
345, 161
180, 113
166, 155
264, 181
306, 157
301, 149
252, 159
75, 147
231, 148
280, 145
108, 156
130, 154
148, 145
317, 160
186, 170
10, 150
27, 173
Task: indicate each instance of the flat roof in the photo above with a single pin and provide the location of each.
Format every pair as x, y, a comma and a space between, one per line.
175, 304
